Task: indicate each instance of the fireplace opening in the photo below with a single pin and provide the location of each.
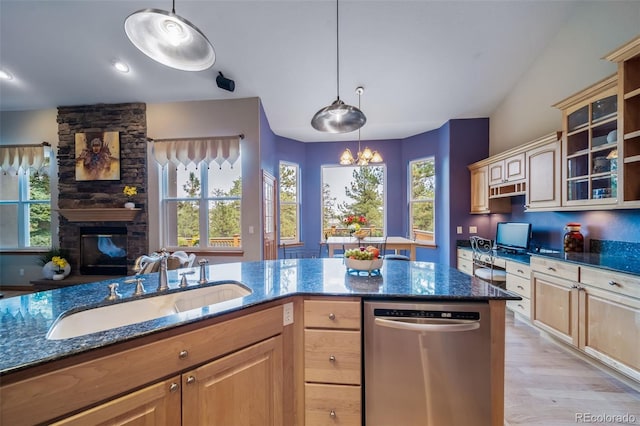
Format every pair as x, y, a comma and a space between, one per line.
103, 251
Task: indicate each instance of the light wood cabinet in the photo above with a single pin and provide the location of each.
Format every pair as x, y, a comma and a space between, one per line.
508, 170
332, 362
592, 309
240, 389
117, 371
465, 261
519, 282
590, 145
480, 201
628, 158
158, 404
543, 175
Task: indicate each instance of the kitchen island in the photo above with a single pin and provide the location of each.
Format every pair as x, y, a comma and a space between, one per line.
36, 372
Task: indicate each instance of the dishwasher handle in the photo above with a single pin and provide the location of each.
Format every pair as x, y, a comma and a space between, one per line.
449, 326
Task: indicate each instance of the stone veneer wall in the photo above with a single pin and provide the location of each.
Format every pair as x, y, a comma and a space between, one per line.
130, 120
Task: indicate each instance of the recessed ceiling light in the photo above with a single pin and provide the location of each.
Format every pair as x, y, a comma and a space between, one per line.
121, 66
5, 75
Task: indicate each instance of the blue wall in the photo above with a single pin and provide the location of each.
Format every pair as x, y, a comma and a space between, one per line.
454, 145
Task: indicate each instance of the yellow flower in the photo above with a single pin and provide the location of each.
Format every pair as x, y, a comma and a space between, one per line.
59, 262
130, 191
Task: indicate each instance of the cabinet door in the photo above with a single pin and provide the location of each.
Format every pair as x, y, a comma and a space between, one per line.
555, 306
496, 173
543, 181
480, 190
157, 404
241, 389
609, 329
514, 168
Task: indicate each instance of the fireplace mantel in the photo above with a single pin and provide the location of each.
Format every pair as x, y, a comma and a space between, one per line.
99, 214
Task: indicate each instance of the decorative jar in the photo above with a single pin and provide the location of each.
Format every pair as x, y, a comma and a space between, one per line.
573, 239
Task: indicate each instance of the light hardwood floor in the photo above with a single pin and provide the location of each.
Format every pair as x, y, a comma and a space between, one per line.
547, 385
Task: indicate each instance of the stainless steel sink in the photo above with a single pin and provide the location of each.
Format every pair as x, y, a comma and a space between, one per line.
215, 297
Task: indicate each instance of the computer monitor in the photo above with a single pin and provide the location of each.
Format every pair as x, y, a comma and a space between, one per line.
513, 236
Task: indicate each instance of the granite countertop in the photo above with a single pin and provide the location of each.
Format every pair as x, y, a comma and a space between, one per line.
624, 261
627, 263
25, 320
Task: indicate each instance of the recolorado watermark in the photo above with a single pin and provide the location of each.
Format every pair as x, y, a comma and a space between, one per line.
606, 418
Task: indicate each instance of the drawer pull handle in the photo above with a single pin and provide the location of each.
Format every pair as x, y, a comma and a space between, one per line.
520, 306
613, 283
183, 354
332, 358
332, 413
332, 316
575, 286
520, 271
551, 268
173, 387
520, 287
191, 380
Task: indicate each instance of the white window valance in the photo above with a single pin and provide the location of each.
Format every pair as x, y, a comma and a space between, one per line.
22, 158
184, 151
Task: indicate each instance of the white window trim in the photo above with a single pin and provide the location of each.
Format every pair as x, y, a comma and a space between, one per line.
297, 203
411, 201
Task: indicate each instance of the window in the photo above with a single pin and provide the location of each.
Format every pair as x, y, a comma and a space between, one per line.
353, 190
289, 203
25, 209
201, 206
422, 190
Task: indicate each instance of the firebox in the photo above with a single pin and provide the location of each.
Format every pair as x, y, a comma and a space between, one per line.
103, 251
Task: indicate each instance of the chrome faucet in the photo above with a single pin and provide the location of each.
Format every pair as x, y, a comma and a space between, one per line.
163, 280
203, 271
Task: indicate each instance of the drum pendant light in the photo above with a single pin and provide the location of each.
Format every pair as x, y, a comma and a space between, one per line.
338, 117
169, 39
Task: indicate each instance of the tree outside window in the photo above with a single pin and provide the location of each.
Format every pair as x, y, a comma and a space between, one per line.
202, 206
25, 209
422, 184
353, 190
289, 202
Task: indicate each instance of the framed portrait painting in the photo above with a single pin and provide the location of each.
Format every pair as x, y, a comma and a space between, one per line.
97, 156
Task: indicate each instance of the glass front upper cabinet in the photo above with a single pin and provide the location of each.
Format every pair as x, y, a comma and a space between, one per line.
590, 153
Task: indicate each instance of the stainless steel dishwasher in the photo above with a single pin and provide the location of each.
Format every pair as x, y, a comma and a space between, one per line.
427, 364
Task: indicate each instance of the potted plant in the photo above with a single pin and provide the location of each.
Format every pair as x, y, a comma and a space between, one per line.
50, 268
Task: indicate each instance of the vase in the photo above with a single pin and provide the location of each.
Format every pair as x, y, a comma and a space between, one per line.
58, 276
48, 270
129, 205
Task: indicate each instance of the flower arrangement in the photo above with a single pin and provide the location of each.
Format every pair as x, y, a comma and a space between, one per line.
130, 191
59, 263
354, 222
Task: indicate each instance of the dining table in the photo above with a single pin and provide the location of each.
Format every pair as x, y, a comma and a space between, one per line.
391, 243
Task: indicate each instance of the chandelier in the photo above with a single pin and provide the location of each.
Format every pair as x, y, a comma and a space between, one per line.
363, 157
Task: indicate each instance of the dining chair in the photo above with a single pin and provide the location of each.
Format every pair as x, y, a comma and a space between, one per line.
483, 261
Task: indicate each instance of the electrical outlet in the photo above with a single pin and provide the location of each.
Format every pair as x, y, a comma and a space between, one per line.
287, 314
473, 229
21, 272
459, 230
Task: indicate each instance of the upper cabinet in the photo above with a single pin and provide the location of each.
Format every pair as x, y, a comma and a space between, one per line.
508, 170
590, 145
543, 177
628, 96
481, 203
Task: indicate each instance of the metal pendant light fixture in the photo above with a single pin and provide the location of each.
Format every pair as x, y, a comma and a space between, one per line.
170, 39
365, 157
338, 117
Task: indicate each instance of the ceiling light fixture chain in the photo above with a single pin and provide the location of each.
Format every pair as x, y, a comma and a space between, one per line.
362, 158
338, 117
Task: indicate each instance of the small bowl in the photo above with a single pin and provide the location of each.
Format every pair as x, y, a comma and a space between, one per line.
363, 265
360, 234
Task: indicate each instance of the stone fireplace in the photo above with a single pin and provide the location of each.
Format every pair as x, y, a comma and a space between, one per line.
87, 208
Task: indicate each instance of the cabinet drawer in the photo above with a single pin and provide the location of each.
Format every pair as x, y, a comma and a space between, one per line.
519, 285
332, 405
519, 269
465, 266
465, 254
523, 307
555, 268
332, 314
332, 356
628, 285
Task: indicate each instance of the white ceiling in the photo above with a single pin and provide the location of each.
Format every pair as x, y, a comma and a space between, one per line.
421, 62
